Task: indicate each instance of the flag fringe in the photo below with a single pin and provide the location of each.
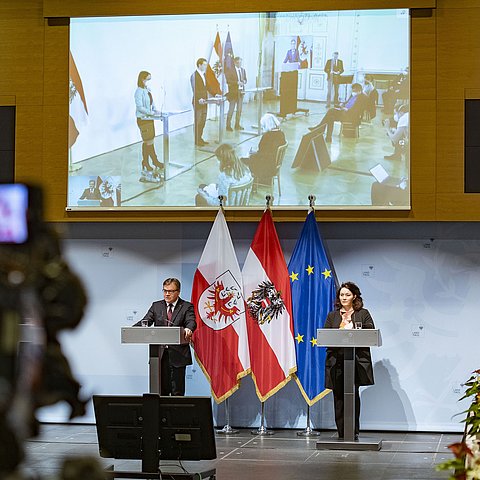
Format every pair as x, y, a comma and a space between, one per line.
310, 402
274, 390
230, 392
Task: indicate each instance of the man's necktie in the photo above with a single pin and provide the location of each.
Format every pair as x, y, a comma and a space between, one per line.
170, 313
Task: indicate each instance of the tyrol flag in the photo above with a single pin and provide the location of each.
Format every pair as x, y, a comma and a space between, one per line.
78, 104
313, 296
269, 311
220, 341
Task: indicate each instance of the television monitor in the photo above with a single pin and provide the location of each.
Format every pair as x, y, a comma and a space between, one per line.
312, 153
14, 213
178, 428
111, 58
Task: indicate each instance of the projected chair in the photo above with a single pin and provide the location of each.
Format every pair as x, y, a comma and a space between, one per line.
239, 195
279, 156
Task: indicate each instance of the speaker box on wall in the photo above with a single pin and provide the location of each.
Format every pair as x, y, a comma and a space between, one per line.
472, 146
7, 144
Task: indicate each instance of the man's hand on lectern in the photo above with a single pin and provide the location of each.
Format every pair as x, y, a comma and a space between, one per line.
188, 334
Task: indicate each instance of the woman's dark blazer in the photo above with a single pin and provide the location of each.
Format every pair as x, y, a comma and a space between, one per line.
363, 360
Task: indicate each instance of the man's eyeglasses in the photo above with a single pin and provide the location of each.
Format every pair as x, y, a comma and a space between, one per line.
168, 292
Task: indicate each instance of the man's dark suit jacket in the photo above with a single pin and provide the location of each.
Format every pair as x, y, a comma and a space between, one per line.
363, 360
183, 316
199, 89
88, 195
337, 69
354, 113
232, 82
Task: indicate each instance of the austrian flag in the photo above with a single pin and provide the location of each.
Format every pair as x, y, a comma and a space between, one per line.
220, 341
269, 311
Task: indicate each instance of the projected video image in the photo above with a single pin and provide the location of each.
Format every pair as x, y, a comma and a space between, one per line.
175, 111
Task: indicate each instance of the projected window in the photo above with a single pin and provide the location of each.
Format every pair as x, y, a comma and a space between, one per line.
175, 111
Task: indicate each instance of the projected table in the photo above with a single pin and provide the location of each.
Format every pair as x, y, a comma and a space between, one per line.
259, 91
155, 337
164, 117
349, 340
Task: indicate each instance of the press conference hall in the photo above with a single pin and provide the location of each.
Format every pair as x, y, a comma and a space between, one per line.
239, 241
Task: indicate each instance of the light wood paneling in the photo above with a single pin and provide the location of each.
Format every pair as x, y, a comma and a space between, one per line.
86, 8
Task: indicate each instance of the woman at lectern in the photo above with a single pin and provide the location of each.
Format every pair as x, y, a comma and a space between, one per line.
348, 314
145, 113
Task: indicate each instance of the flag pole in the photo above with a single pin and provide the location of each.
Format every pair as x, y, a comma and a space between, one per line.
262, 430
308, 432
227, 429
71, 168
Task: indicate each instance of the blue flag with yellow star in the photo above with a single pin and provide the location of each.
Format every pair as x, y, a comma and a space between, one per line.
313, 286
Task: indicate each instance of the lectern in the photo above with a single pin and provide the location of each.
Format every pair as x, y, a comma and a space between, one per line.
154, 337
349, 340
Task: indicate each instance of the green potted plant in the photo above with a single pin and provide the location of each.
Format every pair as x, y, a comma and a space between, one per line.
466, 464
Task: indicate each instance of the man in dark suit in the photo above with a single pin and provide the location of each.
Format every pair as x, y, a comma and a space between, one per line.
350, 112
292, 55
236, 80
200, 89
333, 69
91, 193
172, 311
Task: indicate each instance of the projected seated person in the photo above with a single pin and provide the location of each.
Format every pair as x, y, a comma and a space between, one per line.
172, 311
397, 131
348, 311
371, 94
91, 193
351, 111
233, 172
390, 195
262, 162
398, 90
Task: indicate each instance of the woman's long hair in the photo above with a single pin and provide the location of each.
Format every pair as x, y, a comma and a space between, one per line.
141, 78
357, 302
230, 164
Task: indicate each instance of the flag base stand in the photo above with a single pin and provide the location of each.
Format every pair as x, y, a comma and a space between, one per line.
308, 432
262, 430
227, 430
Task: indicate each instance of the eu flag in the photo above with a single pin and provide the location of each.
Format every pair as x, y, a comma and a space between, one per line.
313, 296
228, 54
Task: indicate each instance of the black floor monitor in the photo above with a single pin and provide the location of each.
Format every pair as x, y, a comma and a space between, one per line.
312, 153
173, 428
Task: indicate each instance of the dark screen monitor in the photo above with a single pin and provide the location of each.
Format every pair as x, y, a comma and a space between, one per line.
312, 153
179, 428
119, 426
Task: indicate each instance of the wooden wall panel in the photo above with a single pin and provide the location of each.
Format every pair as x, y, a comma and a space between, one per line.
86, 8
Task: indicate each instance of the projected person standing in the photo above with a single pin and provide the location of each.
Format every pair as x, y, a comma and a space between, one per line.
236, 81
172, 311
200, 89
333, 69
145, 110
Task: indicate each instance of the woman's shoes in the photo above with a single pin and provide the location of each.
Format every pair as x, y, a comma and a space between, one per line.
150, 176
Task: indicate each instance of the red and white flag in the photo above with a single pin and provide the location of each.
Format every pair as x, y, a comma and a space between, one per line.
269, 311
215, 67
220, 341
78, 104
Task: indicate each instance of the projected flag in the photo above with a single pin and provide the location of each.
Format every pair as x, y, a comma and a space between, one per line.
78, 104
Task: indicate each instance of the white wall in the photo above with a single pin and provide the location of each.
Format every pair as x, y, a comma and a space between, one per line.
422, 295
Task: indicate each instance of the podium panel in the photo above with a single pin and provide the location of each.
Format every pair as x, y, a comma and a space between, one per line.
349, 340
154, 335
